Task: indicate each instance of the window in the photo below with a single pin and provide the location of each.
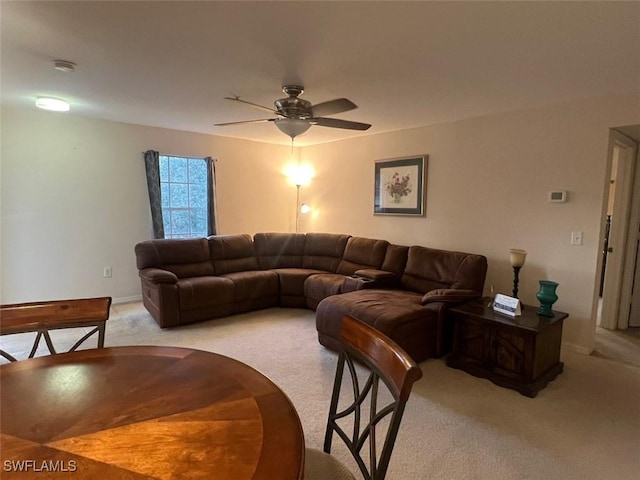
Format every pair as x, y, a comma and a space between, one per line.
182, 195
183, 186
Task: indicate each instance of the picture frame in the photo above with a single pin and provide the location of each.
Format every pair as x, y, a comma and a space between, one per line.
400, 186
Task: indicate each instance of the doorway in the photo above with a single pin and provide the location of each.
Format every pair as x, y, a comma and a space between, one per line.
619, 282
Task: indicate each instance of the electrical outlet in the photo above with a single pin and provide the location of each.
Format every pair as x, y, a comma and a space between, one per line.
576, 238
106, 273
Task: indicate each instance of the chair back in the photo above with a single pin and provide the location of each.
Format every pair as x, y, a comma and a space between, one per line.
382, 359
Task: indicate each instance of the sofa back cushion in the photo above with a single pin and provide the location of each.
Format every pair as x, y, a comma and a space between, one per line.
323, 251
395, 259
279, 250
428, 269
362, 253
232, 253
185, 257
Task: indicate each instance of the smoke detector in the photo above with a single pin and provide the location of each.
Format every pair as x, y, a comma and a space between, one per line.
64, 65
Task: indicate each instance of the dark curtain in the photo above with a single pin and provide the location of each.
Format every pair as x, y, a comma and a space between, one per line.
152, 166
211, 196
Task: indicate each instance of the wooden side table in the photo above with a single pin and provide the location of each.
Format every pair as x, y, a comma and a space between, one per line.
41, 317
521, 353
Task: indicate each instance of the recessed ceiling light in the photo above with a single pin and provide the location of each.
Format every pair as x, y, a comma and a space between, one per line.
50, 103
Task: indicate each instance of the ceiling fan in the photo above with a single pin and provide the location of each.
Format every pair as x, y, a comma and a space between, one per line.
295, 115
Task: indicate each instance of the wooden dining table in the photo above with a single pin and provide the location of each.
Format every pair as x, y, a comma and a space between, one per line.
145, 412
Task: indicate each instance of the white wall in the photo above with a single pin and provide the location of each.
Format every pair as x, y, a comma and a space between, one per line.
74, 199
488, 180
74, 196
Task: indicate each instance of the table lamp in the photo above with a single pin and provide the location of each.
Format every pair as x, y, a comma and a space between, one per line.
517, 257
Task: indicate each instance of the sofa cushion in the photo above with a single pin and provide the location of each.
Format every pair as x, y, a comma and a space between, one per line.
232, 253
292, 285
320, 286
184, 257
430, 269
361, 253
202, 292
395, 259
279, 250
323, 251
384, 310
254, 290
253, 284
292, 280
398, 314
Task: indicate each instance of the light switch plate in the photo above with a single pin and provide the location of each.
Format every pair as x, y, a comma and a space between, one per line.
576, 238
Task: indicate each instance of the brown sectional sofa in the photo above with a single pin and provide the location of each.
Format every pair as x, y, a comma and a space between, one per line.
412, 310
402, 291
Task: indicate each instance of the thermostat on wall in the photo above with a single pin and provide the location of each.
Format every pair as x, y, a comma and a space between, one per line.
558, 196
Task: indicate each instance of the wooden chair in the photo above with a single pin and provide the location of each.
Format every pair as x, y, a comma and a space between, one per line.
41, 317
383, 360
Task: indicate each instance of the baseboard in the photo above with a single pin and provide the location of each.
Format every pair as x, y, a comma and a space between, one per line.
135, 298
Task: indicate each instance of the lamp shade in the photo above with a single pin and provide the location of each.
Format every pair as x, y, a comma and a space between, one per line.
517, 257
292, 126
299, 175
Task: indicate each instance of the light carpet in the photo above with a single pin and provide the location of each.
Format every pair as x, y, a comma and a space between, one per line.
585, 425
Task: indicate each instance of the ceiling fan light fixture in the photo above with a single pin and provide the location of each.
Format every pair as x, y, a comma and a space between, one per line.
53, 104
292, 126
298, 115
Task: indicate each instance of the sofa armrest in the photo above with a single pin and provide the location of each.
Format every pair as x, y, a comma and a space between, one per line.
373, 274
157, 275
450, 295
378, 278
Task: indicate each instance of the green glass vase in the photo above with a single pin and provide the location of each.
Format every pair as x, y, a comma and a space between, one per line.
547, 297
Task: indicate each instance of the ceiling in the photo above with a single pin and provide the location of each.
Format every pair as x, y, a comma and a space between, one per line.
405, 64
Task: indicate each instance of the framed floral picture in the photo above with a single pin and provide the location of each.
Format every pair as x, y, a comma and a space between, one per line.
400, 186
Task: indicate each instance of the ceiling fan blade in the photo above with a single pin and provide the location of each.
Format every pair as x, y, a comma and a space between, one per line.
332, 107
262, 120
238, 99
337, 123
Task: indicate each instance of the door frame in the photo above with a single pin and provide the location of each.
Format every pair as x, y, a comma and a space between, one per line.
625, 225
633, 235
